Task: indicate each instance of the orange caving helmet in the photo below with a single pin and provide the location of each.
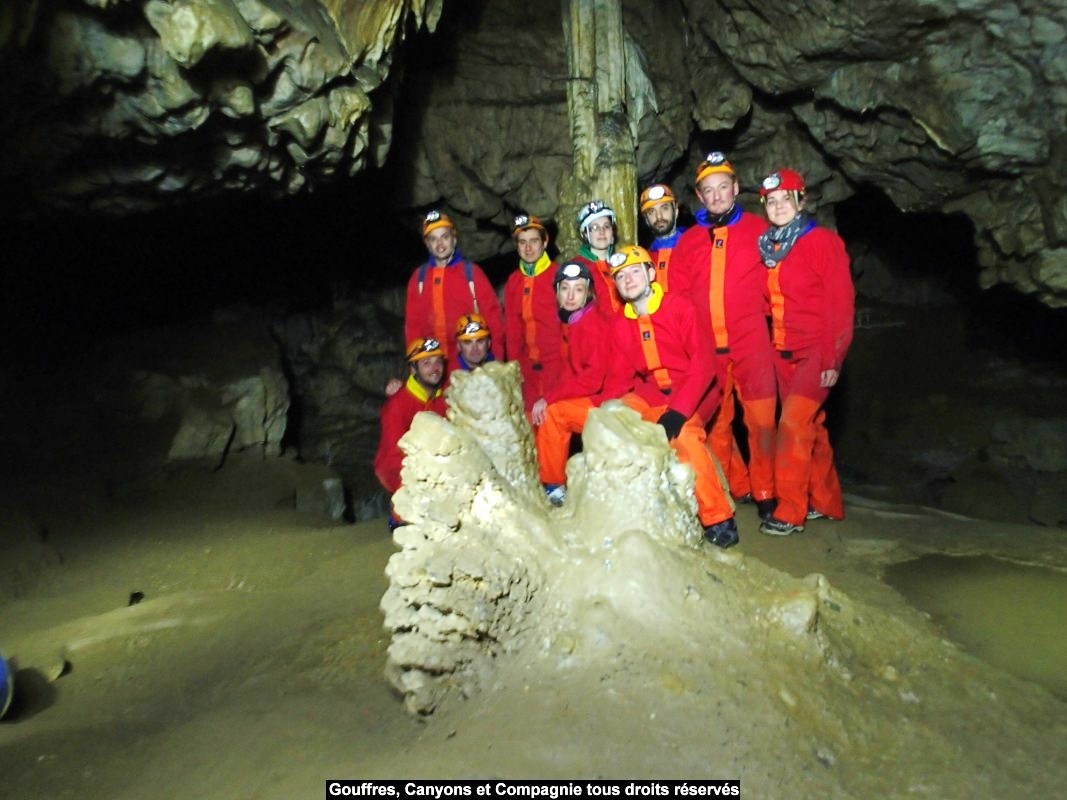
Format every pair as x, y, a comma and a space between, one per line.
786, 179
656, 194
423, 347
712, 164
528, 222
628, 256
470, 327
434, 220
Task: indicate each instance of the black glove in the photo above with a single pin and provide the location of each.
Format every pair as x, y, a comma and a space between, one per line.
672, 422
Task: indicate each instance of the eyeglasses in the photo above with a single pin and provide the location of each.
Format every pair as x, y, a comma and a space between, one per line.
595, 228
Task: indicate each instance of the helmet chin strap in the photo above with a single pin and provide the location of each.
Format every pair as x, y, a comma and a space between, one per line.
719, 220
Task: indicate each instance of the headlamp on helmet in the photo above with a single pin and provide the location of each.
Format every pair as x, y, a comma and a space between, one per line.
424, 348
787, 179
713, 164
526, 222
627, 257
654, 195
572, 271
470, 327
593, 210
434, 220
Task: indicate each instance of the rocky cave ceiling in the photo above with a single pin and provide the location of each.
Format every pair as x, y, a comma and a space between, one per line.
949, 106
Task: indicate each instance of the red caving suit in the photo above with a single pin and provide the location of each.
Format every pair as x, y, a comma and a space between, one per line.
445, 295
660, 362
533, 334
587, 355
397, 413
720, 271
812, 309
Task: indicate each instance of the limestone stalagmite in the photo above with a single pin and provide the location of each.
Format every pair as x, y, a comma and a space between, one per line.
566, 622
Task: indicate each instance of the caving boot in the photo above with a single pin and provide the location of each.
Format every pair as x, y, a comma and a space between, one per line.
723, 534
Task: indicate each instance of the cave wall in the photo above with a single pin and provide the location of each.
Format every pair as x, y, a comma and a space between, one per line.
950, 106
128, 105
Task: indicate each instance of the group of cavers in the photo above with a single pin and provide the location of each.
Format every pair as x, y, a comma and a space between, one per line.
735, 309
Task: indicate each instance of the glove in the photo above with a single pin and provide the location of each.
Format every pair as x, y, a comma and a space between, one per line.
672, 422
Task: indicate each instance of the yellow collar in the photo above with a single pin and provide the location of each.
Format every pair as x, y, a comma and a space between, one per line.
421, 393
653, 302
539, 266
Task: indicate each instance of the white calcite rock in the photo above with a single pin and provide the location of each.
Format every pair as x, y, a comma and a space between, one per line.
487, 566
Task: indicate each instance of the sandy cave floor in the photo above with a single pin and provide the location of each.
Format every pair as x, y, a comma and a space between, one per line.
252, 664
252, 667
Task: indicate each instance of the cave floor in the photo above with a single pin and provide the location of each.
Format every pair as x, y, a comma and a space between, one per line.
188, 633
252, 665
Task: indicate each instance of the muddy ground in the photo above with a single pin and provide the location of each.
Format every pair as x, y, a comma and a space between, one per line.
179, 632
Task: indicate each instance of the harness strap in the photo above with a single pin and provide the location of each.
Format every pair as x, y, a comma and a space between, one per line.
529, 324
440, 323
663, 260
651, 353
717, 290
613, 295
774, 285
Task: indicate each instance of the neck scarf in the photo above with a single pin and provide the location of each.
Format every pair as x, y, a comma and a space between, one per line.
655, 298
571, 317
670, 240
586, 250
536, 268
457, 258
422, 393
775, 243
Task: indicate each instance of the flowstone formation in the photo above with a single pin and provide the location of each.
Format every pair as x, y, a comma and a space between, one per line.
607, 637
484, 546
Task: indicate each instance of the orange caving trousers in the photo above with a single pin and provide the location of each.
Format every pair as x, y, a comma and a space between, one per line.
804, 464
723, 444
758, 476
562, 419
691, 448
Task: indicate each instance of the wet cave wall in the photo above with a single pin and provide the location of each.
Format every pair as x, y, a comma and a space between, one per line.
954, 107
162, 160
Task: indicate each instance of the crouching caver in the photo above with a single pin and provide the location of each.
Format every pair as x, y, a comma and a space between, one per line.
422, 392
563, 409
662, 369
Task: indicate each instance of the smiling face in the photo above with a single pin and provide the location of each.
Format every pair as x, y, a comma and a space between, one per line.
429, 371
530, 244
600, 234
661, 218
441, 245
781, 207
717, 192
634, 282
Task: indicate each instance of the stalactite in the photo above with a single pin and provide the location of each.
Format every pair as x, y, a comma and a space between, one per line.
597, 102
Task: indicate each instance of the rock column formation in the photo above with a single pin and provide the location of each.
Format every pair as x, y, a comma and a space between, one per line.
597, 104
